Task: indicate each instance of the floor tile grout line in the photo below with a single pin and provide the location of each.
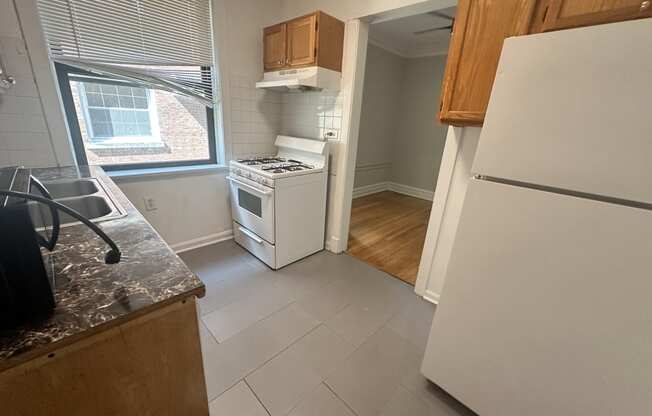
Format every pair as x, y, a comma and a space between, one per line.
284, 349
205, 313
297, 300
322, 378
208, 329
254, 323
263, 364
256, 396
339, 398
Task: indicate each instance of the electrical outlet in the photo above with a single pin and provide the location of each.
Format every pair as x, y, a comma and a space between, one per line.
150, 204
330, 134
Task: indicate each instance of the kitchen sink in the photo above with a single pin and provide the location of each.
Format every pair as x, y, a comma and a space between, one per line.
71, 188
86, 196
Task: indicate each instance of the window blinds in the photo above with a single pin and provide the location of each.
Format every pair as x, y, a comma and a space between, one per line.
164, 43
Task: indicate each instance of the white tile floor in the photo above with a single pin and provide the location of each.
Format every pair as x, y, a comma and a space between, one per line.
326, 336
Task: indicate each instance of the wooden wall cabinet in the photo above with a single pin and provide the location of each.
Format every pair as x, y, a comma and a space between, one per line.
480, 28
566, 14
274, 41
478, 34
316, 39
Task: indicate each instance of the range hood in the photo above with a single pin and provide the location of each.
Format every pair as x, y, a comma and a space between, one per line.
313, 78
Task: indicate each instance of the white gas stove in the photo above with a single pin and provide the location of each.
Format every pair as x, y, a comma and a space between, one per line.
278, 203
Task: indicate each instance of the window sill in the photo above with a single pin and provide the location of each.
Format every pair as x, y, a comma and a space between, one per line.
158, 173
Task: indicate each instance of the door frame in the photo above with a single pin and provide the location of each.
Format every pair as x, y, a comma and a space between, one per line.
356, 39
353, 69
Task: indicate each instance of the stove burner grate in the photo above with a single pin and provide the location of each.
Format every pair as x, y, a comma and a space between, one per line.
287, 167
263, 160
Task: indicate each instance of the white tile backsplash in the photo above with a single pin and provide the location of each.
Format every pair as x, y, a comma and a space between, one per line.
24, 137
255, 117
308, 114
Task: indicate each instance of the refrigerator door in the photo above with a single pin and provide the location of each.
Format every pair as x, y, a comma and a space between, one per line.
546, 308
572, 109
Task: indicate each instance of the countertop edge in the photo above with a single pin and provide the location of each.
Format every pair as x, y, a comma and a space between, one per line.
13, 362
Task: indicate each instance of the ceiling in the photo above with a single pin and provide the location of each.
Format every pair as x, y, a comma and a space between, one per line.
398, 35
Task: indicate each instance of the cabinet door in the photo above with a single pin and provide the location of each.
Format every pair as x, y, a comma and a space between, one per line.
480, 28
302, 41
275, 46
564, 14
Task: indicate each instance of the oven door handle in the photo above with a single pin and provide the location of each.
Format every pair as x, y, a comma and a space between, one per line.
251, 187
251, 235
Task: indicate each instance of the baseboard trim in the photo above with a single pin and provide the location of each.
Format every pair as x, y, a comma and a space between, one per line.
332, 244
426, 194
202, 241
395, 187
432, 297
374, 188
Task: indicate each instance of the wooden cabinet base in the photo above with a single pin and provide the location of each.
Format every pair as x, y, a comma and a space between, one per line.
151, 365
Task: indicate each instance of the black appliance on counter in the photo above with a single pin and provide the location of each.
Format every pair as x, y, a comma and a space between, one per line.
29, 230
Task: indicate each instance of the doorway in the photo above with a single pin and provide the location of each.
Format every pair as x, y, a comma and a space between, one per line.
400, 142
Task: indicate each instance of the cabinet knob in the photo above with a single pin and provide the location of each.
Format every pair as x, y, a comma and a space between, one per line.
645, 5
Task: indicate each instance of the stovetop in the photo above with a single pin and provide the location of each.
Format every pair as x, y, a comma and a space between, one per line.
275, 166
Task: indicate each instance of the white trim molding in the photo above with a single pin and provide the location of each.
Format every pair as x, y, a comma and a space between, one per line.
202, 241
374, 188
453, 178
420, 193
394, 187
353, 67
331, 244
431, 297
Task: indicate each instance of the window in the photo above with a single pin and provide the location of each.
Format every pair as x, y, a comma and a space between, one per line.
136, 79
123, 125
117, 115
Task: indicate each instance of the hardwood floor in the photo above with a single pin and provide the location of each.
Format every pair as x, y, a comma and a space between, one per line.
388, 231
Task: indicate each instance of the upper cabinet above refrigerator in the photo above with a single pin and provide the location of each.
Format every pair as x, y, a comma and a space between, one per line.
562, 112
565, 14
482, 25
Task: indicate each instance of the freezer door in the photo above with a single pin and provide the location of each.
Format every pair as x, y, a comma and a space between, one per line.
572, 109
546, 308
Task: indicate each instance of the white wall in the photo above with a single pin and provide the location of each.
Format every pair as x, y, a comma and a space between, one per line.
381, 99
419, 138
400, 140
192, 209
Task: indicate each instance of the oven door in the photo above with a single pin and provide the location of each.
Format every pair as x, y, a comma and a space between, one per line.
252, 206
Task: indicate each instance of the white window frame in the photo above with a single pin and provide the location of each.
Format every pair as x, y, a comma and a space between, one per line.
127, 142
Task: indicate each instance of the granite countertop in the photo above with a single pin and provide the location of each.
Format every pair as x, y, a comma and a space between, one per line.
92, 296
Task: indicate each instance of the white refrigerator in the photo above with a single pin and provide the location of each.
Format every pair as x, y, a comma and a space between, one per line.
547, 305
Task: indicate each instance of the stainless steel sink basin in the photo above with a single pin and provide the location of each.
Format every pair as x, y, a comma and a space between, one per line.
67, 189
87, 196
